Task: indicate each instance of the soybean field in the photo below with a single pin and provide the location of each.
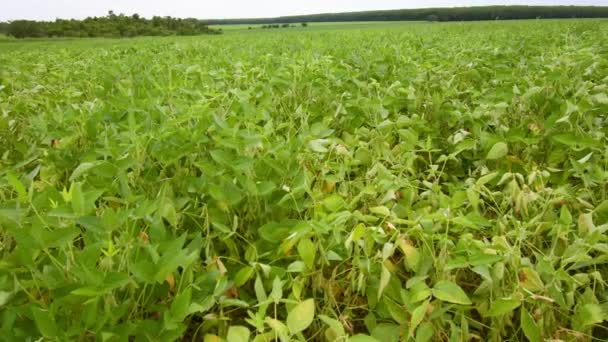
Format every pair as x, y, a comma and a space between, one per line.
364, 182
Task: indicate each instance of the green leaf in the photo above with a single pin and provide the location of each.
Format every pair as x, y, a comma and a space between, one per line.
499, 150
418, 315
425, 332
167, 211
260, 293
88, 291
565, 217
237, 333
301, 316
174, 257
78, 203
362, 338
485, 179
180, 305
600, 98
334, 203
381, 210
590, 314
385, 277
419, 292
17, 186
277, 290
11, 215
234, 302
5, 297
296, 267
448, 291
82, 169
307, 251
501, 307
395, 310
529, 326
274, 231
319, 145
532, 92
278, 328
335, 331
601, 213
387, 332
45, 322
243, 275
226, 192
204, 306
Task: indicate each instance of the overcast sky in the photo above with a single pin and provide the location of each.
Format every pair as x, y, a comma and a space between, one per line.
207, 9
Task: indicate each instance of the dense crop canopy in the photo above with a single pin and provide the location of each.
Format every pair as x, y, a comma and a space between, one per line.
423, 181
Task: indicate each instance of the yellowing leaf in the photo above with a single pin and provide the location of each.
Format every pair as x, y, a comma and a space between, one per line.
301, 316
237, 333
585, 224
385, 277
171, 281
412, 255
211, 338
530, 280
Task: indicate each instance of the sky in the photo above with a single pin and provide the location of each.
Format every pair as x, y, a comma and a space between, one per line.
207, 9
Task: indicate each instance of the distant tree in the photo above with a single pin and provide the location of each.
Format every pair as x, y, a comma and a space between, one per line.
25, 28
109, 26
443, 14
285, 25
432, 17
250, 28
304, 24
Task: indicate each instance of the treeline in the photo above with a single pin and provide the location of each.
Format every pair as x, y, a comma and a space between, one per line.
274, 26
438, 14
111, 25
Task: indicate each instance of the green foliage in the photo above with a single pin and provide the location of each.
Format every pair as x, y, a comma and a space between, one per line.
437, 14
109, 26
418, 182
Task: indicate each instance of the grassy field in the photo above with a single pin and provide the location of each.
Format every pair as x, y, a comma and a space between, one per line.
387, 182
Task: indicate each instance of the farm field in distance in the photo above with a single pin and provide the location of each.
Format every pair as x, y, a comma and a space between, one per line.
316, 25
364, 182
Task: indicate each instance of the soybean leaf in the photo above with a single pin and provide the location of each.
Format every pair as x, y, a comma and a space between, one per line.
448, 291
301, 316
